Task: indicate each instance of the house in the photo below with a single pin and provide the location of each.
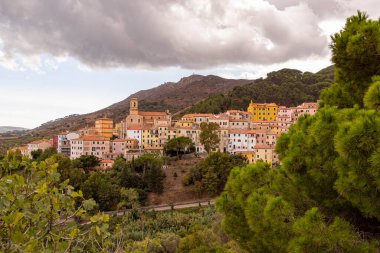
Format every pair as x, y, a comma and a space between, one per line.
89, 145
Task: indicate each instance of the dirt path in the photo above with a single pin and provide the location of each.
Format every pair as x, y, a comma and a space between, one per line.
175, 191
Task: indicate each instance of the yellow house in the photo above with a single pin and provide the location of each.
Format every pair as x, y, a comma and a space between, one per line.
184, 123
250, 155
150, 137
104, 127
263, 111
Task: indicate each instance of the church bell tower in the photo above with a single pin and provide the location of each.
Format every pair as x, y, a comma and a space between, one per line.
134, 106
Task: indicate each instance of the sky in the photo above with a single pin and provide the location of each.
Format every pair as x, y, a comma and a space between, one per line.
65, 57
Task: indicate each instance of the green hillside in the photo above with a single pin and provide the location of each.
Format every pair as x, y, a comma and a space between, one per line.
288, 87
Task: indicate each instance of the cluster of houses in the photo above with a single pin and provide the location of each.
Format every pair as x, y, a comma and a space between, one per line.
252, 133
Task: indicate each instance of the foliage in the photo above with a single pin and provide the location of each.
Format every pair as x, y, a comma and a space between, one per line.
286, 87
41, 155
355, 52
179, 146
100, 188
196, 230
211, 173
372, 97
325, 196
209, 136
37, 212
86, 162
149, 167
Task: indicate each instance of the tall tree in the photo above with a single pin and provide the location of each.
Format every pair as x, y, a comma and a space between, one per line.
355, 52
209, 135
325, 195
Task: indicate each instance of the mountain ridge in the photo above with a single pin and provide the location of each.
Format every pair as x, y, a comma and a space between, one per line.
6, 129
184, 96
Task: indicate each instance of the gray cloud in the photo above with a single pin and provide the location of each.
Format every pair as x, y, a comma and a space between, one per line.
156, 33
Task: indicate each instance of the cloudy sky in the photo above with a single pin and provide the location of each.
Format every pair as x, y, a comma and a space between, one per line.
76, 56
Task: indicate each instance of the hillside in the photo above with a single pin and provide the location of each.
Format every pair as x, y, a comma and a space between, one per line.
6, 129
168, 96
196, 93
288, 87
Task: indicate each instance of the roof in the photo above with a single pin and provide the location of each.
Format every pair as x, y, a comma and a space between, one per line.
262, 146
192, 115
219, 117
241, 131
141, 113
106, 161
140, 128
118, 140
263, 104
237, 111
104, 119
91, 138
22, 148
238, 120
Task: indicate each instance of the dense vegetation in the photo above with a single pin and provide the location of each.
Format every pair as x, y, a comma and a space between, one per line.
41, 212
106, 187
210, 175
288, 87
325, 196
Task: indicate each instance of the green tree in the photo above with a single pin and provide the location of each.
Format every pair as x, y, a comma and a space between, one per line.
86, 162
149, 168
209, 136
324, 196
212, 172
179, 145
355, 51
100, 188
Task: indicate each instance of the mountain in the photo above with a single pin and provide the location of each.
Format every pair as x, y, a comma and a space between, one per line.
168, 96
6, 129
288, 87
195, 93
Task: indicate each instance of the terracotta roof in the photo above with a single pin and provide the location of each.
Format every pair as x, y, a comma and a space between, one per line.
91, 138
106, 161
241, 131
192, 115
260, 131
104, 119
238, 120
219, 117
22, 148
237, 111
140, 128
152, 113
118, 140
264, 104
262, 146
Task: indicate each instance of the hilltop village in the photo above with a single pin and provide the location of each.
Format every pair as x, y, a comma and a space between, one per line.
252, 133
